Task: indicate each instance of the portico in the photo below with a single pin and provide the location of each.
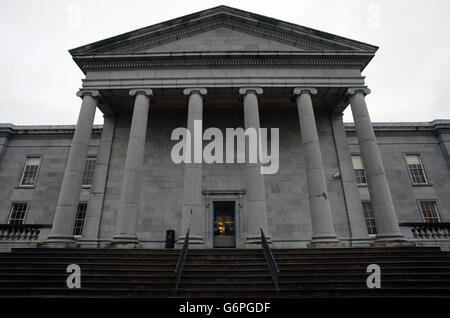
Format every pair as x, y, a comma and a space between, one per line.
229, 70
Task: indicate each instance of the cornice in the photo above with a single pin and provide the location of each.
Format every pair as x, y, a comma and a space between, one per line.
394, 128
433, 128
32, 130
120, 62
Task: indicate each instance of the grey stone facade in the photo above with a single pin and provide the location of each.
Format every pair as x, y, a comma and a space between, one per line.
162, 186
231, 69
396, 140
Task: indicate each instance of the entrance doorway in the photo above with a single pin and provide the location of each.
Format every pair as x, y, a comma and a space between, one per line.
224, 227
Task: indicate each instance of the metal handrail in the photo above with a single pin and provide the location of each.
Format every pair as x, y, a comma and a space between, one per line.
181, 260
273, 267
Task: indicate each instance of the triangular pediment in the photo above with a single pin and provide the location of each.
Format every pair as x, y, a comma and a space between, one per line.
221, 39
222, 29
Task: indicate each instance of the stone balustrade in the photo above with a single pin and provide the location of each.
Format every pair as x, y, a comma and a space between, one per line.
425, 231
21, 232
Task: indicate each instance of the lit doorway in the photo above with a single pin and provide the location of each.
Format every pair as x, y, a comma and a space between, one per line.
224, 227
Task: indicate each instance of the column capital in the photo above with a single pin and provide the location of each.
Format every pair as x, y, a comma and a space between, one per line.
137, 91
304, 90
246, 90
88, 92
195, 90
355, 90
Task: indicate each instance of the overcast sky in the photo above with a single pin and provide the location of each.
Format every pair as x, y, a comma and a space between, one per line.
408, 76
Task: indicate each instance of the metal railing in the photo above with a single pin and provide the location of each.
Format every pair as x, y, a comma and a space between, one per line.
21, 232
273, 267
429, 230
181, 260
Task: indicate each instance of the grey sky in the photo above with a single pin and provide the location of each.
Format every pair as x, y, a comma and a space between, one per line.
408, 77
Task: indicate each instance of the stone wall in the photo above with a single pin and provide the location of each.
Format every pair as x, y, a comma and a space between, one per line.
289, 218
161, 194
393, 147
53, 146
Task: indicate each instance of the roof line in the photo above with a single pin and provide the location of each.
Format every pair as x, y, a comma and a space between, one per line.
225, 9
435, 122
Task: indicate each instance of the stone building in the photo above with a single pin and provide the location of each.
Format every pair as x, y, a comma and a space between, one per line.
117, 185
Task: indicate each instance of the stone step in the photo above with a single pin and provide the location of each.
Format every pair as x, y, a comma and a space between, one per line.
226, 251
225, 273
213, 292
247, 294
232, 285
344, 270
212, 259
249, 277
224, 266
344, 292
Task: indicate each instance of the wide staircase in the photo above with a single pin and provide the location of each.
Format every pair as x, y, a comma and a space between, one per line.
338, 272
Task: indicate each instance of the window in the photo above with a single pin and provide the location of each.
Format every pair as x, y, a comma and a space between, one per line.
89, 171
429, 211
416, 169
358, 167
17, 214
30, 171
370, 218
79, 220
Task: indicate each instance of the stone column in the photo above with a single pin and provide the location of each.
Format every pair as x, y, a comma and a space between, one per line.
192, 216
95, 203
321, 218
125, 236
388, 230
356, 221
443, 138
256, 191
69, 195
4, 141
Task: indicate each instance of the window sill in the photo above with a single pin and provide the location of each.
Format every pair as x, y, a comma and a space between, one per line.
362, 185
25, 187
421, 184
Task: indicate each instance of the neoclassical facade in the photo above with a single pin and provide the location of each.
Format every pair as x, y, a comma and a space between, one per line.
118, 186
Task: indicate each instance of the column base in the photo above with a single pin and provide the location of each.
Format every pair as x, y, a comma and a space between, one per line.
393, 243
254, 241
89, 243
195, 241
392, 240
360, 241
59, 241
124, 241
325, 245
324, 241
123, 245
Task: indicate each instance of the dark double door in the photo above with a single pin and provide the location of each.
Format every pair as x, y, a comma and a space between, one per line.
224, 224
